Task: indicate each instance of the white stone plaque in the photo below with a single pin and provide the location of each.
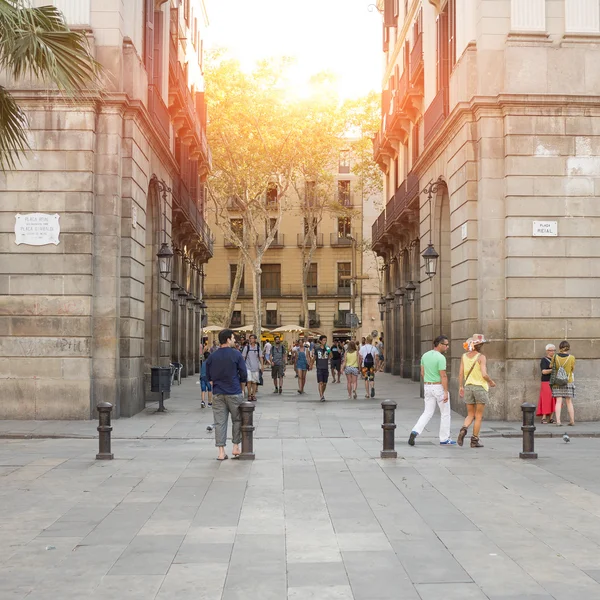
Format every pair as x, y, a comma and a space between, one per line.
463, 231
37, 229
545, 228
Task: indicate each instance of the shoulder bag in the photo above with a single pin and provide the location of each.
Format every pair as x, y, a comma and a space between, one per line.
472, 367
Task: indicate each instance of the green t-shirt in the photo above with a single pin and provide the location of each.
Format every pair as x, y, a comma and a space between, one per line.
433, 362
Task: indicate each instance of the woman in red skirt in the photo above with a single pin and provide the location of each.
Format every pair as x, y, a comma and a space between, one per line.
546, 403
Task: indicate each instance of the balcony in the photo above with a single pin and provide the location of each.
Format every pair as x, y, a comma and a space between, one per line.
435, 115
301, 241
313, 320
344, 290
278, 241
159, 113
339, 320
345, 198
287, 291
224, 291
400, 201
338, 239
378, 231
271, 292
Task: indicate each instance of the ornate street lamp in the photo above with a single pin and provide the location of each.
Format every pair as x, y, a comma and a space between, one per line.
381, 304
165, 253
399, 297
410, 291
174, 291
182, 297
430, 255
389, 301
191, 299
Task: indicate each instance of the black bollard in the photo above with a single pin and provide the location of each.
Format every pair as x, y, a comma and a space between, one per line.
389, 429
104, 429
528, 429
247, 409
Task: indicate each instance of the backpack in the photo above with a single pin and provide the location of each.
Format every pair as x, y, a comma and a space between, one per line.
559, 376
369, 362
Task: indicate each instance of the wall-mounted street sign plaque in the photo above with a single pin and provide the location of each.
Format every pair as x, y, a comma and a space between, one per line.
37, 229
545, 228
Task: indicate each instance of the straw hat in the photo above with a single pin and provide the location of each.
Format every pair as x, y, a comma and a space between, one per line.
475, 340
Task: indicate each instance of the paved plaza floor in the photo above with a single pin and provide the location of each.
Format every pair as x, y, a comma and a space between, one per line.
318, 515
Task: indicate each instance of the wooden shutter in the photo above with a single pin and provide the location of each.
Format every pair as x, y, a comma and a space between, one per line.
158, 48
388, 13
451, 34
149, 37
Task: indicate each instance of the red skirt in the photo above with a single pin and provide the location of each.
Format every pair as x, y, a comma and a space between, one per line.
546, 402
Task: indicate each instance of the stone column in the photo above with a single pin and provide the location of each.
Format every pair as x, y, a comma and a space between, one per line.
528, 15
582, 16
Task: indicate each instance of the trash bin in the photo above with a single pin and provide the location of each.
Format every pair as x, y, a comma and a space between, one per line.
160, 380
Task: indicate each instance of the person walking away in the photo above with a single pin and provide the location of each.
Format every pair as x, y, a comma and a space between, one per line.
226, 371
253, 357
321, 357
301, 365
435, 379
381, 357
562, 381
336, 362
474, 386
350, 366
267, 351
368, 356
295, 348
277, 364
205, 387
546, 402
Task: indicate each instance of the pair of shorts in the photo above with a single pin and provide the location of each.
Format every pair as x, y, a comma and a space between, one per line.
277, 371
253, 376
322, 375
351, 371
381, 357
336, 364
475, 394
205, 385
368, 373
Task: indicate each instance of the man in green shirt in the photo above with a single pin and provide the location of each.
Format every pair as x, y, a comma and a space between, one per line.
433, 374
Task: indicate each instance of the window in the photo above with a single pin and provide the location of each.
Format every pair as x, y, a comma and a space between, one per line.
442, 67
271, 280
271, 314
310, 193
186, 11
344, 272
311, 282
195, 34
343, 311
236, 318
344, 192
270, 227
237, 227
344, 227
451, 8
272, 194
307, 225
344, 161
232, 274
149, 37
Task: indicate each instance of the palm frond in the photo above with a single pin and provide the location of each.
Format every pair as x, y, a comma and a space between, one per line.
13, 124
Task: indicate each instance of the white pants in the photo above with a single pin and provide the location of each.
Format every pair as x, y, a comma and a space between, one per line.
435, 394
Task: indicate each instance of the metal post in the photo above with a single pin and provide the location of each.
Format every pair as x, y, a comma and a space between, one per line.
104, 429
528, 429
161, 403
247, 409
389, 427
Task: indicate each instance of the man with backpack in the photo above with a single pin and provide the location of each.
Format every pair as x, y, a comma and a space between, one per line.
278, 354
368, 356
253, 356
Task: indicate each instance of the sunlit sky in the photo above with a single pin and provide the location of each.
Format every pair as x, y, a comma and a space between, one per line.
340, 36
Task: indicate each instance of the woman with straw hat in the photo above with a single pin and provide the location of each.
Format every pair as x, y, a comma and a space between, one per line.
474, 387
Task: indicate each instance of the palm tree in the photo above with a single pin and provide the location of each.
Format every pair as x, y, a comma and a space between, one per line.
36, 42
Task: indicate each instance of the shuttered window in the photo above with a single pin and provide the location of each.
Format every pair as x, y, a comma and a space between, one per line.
149, 36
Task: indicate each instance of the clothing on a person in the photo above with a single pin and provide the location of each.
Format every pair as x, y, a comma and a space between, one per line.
226, 369
205, 385
433, 362
565, 391
434, 394
546, 402
351, 370
253, 376
322, 375
277, 371
322, 356
368, 353
335, 353
352, 359
203, 369
475, 394
252, 356
278, 355
475, 375
368, 373
567, 362
223, 406
301, 360
267, 351
545, 364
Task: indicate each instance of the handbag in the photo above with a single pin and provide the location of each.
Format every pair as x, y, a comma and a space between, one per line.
559, 377
472, 367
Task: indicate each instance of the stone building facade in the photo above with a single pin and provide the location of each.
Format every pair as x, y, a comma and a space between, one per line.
500, 102
84, 320
338, 256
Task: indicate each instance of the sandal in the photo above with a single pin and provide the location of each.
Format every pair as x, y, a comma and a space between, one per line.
552, 421
544, 422
222, 459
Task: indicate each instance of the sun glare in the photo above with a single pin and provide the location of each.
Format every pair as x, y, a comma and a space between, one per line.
339, 37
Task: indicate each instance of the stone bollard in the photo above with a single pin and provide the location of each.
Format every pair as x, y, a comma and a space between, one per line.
247, 409
389, 429
104, 429
528, 429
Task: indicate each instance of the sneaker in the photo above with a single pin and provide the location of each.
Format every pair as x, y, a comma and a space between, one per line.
373, 392
280, 390
448, 442
411, 439
322, 398
276, 391
202, 404
210, 403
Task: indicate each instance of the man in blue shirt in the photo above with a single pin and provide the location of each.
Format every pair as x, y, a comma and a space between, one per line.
226, 371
